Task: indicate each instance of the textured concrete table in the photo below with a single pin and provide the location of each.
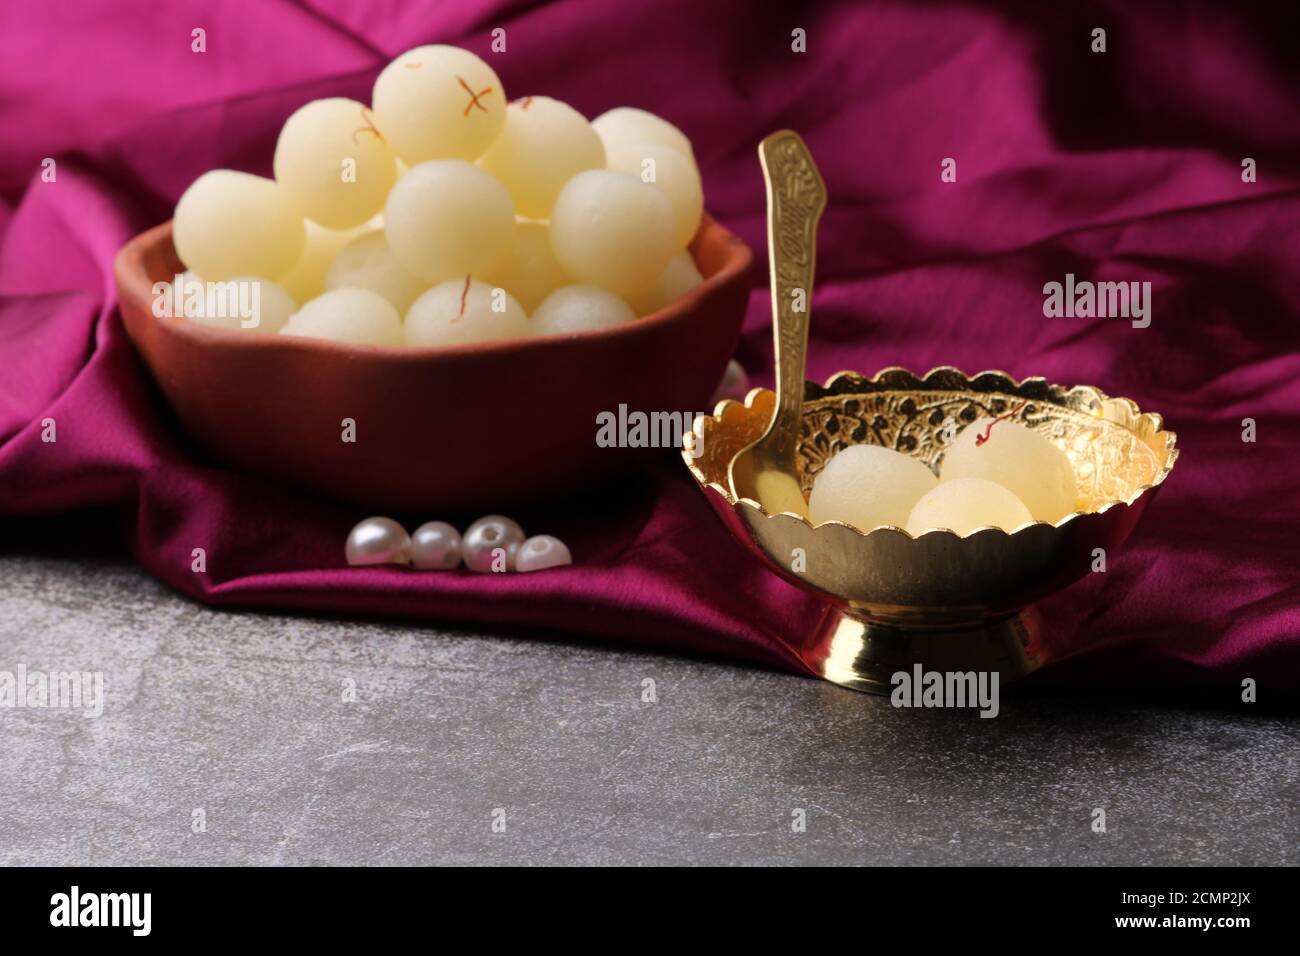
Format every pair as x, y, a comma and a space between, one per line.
297, 740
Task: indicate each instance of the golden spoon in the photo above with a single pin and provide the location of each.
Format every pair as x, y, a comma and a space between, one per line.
796, 196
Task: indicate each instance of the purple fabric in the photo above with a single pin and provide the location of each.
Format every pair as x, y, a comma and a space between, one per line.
1122, 165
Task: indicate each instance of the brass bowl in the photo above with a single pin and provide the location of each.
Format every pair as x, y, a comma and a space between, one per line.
946, 602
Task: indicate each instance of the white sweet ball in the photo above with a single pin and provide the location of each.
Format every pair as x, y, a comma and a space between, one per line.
447, 218
231, 224
188, 291
612, 230
461, 311
545, 143
356, 316
679, 278
580, 308
367, 262
439, 102
529, 271
231, 303
275, 304
867, 486
1020, 460
964, 505
627, 124
306, 279
332, 163
670, 171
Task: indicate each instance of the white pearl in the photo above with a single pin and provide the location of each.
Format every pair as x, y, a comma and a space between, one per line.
435, 546
485, 536
378, 541
542, 551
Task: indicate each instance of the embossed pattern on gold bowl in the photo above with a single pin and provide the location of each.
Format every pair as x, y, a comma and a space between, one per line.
940, 581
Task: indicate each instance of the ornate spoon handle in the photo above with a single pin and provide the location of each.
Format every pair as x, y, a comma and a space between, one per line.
796, 197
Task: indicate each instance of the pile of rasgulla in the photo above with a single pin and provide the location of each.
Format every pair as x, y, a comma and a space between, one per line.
442, 214
996, 473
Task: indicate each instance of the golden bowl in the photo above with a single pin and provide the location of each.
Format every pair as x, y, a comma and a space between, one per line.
946, 602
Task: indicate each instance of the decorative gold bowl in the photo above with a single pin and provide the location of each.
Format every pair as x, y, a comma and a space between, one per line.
946, 602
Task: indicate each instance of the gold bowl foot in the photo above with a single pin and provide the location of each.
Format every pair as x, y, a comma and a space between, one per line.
863, 654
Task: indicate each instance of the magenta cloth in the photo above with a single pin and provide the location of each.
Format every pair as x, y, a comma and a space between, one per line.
1122, 165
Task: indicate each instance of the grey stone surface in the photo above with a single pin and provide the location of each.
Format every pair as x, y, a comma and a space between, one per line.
243, 716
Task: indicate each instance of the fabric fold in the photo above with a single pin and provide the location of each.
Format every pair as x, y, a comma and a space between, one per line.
1122, 166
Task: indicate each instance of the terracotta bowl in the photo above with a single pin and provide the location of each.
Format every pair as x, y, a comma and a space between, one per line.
440, 430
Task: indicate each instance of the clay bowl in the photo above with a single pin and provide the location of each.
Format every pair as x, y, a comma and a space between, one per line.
438, 430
